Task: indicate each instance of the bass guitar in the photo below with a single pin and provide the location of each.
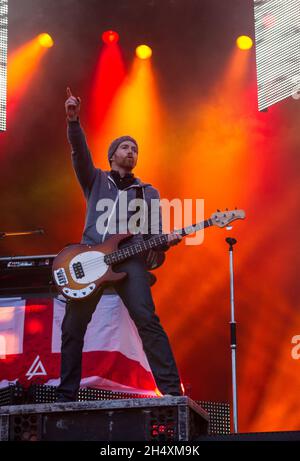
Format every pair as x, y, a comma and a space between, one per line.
80, 270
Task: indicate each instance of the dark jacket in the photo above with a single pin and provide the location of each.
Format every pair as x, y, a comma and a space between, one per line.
98, 184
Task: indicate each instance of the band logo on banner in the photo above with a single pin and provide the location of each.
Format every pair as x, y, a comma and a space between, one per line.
30, 340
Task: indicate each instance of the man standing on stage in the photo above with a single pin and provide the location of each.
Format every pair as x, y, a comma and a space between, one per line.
134, 290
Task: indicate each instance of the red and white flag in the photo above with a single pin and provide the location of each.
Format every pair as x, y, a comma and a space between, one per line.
30, 340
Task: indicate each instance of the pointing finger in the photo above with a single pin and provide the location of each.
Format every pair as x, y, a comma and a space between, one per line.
69, 93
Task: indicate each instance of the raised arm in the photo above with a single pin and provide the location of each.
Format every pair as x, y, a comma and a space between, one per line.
81, 156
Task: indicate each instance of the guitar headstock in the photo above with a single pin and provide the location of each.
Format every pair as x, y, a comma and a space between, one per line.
223, 218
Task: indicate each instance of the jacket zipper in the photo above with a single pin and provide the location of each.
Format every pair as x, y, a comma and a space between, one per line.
115, 204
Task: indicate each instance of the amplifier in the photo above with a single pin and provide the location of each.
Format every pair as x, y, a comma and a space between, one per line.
26, 275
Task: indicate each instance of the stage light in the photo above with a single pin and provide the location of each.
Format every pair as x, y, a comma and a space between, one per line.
110, 36
143, 52
45, 40
244, 42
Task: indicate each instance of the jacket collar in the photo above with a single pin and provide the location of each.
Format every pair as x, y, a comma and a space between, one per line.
116, 175
137, 183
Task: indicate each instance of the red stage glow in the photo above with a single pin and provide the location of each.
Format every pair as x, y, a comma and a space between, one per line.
108, 77
35, 326
110, 37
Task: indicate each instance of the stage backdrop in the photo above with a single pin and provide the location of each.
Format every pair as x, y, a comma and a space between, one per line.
30, 338
193, 110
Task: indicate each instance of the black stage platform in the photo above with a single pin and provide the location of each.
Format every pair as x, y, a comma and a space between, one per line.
167, 419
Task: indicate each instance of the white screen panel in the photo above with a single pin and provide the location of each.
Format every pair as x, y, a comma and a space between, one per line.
277, 34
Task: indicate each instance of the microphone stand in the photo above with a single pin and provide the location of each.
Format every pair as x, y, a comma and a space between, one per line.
231, 242
19, 234
3, 235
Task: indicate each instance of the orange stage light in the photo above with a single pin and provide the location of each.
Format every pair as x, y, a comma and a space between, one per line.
45, 40
22, 68
135, 110
244, 42
143, 52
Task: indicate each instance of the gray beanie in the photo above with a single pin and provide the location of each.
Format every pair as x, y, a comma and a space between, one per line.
115, 144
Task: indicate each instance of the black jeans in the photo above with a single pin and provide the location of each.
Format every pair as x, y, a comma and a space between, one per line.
135, 293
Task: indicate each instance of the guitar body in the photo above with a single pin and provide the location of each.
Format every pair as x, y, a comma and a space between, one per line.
79, 271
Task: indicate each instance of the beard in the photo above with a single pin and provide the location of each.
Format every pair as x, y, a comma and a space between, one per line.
128, 162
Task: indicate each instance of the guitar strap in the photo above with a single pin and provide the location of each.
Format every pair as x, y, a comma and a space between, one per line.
139, 195
160, 257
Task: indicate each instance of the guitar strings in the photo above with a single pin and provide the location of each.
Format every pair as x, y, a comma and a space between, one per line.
125, 254
95, 261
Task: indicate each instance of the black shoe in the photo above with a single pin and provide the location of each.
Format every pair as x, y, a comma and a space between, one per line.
175, 394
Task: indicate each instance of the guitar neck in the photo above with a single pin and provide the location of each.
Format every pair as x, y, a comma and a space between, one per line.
152, 243
194, 228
